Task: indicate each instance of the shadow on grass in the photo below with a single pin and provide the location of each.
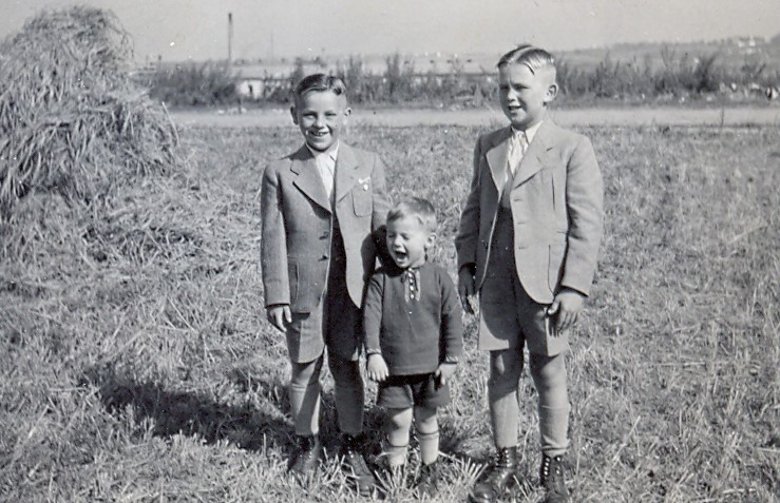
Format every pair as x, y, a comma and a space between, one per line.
187, 413
244, 378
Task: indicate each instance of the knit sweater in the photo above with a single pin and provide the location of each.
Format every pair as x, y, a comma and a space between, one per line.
413, 333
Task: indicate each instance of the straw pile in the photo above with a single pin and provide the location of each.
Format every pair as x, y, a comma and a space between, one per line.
72, 122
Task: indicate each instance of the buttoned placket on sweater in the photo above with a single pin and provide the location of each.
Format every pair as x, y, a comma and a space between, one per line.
411, 334
411, 278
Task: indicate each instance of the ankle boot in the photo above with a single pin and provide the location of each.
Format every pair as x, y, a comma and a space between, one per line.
552, 478
498, 479
428, 479
307, 455
354, 464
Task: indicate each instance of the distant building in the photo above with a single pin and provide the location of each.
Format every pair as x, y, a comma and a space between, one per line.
748, 42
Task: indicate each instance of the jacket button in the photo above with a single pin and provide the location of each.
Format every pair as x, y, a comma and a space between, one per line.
324, 256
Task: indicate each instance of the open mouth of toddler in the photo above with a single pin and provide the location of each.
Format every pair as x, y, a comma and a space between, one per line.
399, 254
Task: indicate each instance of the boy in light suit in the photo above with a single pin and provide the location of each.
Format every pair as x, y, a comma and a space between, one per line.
320, 207
528, 244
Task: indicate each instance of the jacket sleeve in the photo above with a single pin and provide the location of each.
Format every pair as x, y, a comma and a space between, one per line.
468, 230
372, 313
584, 204
381, 205
273, 243
451, 319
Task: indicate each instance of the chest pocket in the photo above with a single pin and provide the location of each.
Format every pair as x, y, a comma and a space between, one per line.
361, 199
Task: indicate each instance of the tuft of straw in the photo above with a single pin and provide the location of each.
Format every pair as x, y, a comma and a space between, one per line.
72, 121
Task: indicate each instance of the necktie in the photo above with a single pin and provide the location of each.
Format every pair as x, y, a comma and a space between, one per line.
517, 148
518, 144
326, 172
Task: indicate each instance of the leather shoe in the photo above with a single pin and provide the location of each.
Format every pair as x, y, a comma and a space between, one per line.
307, 455
498, 479
354, 464
552, 478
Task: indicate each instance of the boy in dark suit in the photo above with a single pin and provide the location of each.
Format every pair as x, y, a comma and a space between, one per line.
320, 207
413, 337
528, 244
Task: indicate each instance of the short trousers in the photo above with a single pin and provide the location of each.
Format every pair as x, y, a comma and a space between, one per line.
509, 317
404, 391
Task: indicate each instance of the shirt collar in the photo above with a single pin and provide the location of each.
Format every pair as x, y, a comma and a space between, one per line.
332, 153
415, 269
410, 270
529, 133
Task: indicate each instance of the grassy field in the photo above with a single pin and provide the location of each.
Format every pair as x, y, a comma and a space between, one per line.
136, 363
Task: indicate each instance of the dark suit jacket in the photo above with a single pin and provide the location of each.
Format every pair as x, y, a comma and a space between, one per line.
556, 202
296, 219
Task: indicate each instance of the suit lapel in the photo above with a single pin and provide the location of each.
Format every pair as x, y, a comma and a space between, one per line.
533, 160
346, 171
497, 158
307, 178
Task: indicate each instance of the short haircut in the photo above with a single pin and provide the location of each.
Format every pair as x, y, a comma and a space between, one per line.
532, 57
416, 207
319, 82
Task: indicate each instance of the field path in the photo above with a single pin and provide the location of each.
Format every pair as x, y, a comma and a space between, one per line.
762, 116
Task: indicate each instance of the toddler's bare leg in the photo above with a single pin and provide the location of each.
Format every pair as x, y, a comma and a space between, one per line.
399, 422
427, 433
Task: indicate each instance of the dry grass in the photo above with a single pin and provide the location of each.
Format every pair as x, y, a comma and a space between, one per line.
72, 123
136, 365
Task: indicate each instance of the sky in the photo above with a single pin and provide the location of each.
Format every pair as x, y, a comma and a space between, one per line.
177, 30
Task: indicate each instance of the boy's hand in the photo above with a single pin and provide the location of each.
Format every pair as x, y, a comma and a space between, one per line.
444, 372
566, 308
279, 316
376, 367
466, 288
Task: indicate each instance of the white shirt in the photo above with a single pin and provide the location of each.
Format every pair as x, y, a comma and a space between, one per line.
326, 165
519, 145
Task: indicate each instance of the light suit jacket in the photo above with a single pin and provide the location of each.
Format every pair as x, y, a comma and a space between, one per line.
296, 219
557, 210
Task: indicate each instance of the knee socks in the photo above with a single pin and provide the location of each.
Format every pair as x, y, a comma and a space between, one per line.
304, 393
429, 446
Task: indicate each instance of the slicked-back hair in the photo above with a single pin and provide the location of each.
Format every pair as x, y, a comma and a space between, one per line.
416, 207
319, 82
534, 58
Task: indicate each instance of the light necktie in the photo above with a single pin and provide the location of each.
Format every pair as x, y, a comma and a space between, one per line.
518, 145
326, 166
517, 149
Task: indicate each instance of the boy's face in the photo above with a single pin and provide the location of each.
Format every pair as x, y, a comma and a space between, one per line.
407, 241
321, 116
524, 95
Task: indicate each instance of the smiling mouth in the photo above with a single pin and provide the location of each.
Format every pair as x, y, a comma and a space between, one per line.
318, 134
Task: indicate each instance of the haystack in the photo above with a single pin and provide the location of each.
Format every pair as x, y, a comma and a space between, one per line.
72, 121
